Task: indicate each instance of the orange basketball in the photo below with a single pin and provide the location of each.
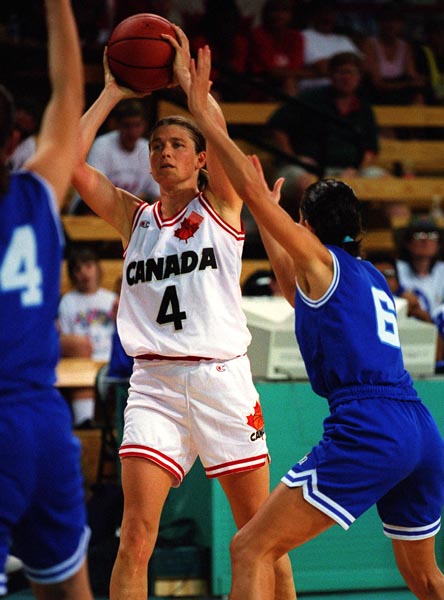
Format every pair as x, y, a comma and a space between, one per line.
138, 57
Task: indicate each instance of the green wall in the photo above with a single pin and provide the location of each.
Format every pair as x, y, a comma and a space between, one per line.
357, 559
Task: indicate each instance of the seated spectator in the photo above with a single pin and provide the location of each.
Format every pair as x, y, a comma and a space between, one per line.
389, 61
276, 51
224, 30
420, 268
386, 264
321, 43
430, 61
331, 130
86, 320
123, 155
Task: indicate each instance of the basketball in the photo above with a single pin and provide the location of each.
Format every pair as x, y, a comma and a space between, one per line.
138, 57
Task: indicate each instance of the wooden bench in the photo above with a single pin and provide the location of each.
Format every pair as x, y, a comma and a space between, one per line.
418, 191
421, 155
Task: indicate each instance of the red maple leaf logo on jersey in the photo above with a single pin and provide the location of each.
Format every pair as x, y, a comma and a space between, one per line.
188, 227
256, 420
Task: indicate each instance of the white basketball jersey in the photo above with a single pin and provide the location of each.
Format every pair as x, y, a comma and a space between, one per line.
181, 295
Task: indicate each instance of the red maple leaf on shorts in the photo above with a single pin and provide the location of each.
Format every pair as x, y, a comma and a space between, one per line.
188, 227
256, 420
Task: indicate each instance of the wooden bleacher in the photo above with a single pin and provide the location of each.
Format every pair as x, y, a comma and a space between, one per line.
425, 156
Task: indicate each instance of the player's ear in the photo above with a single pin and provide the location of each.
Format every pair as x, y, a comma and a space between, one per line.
201, 159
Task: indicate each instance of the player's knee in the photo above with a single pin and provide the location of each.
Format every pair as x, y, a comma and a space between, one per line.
242, 551
424, 585
137, 540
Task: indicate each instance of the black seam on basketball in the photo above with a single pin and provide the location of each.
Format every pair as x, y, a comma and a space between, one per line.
161, 67
130, 39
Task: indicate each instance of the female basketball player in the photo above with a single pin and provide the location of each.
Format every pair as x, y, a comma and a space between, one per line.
380, 443
42, 504
191, 391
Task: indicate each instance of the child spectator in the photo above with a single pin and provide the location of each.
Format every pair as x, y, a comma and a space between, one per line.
86, 319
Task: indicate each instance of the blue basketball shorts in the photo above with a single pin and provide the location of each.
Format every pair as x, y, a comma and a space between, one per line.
377, 451
42, 504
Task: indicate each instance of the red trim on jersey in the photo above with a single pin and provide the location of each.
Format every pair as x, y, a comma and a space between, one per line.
239, 235
138, 451
161, 222
237, 466
136, 216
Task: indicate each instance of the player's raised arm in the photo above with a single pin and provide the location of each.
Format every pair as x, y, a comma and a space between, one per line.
307, 252
57, 148
99, 193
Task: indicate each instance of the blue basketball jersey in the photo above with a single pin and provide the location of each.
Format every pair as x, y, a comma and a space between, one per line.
349, 338
31, 243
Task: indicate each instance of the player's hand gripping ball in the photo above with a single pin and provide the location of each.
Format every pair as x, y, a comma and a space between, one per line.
138, 57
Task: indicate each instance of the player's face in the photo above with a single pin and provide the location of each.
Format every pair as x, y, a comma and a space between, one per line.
173, 156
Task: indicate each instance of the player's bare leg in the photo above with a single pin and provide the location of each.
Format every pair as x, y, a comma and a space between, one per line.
246, 492
417, 564
145, 487
285, 521
73, 588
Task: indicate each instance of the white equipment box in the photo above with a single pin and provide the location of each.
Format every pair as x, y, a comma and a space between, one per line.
274, 352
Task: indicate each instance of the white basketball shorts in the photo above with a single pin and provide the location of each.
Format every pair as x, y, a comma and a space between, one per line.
178, 410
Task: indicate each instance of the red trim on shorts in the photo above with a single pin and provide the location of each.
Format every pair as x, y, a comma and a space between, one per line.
237, 466
185, 358
139, 451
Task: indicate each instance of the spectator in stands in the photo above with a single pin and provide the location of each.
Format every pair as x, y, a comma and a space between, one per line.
224, 30
430, 61
321, 43
330, 129
262, 282
276, 51
386, 264
123, 155
389, 61
420, 267
86, 320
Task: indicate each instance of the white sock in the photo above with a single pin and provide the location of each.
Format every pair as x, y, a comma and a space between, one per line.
82, 410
